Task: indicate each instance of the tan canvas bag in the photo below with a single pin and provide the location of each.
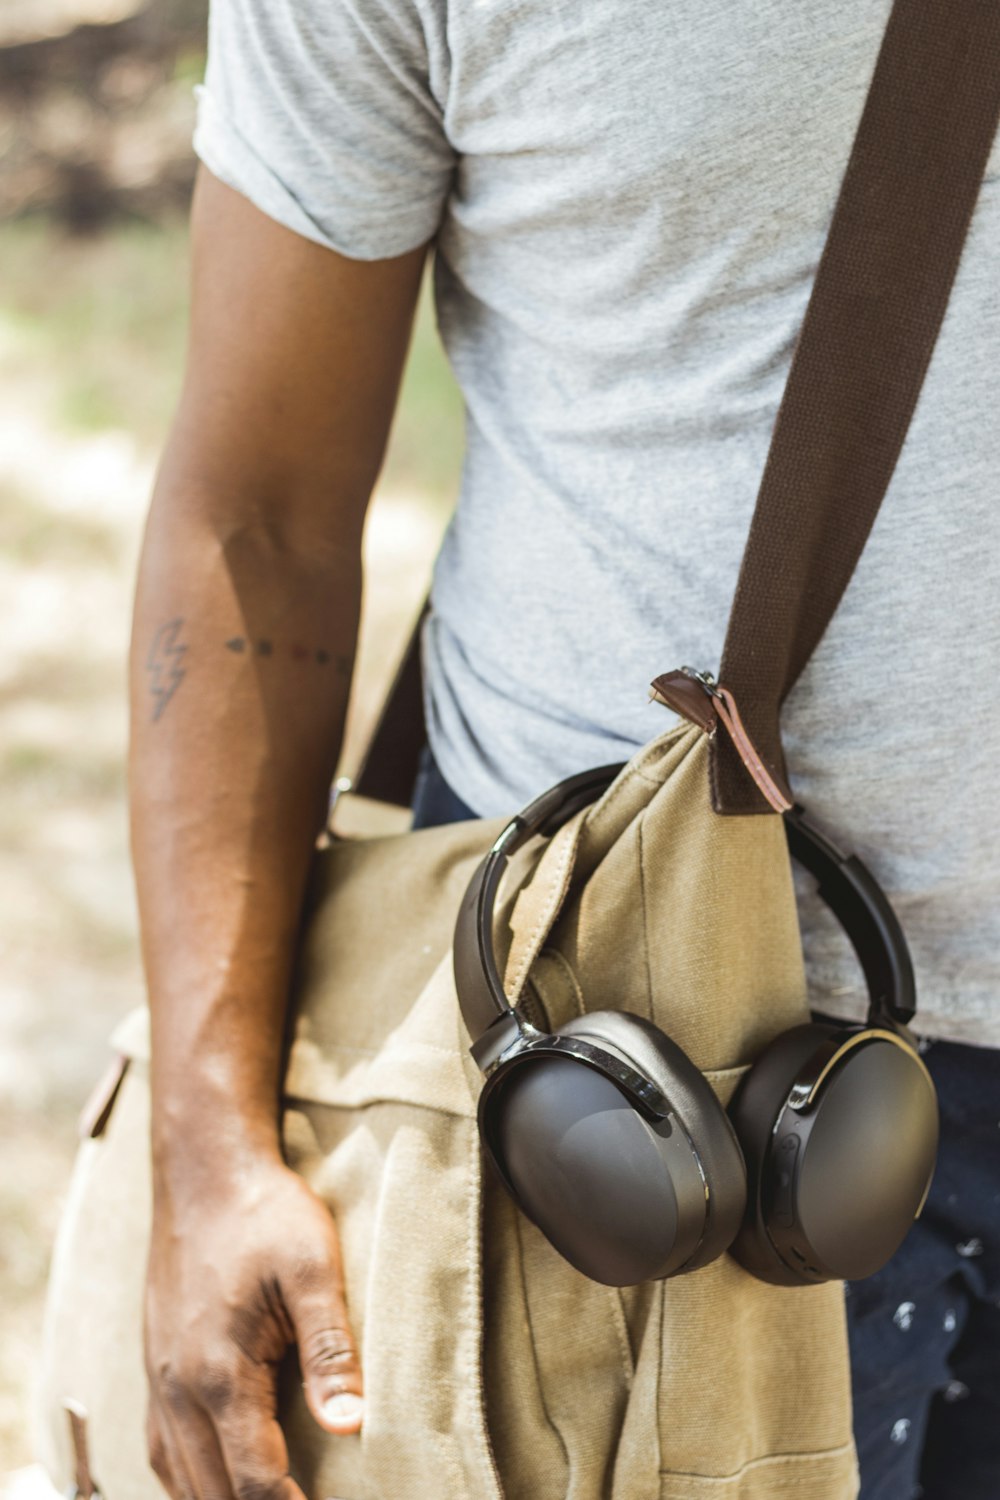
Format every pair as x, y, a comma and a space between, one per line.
493, 1370
707, 1384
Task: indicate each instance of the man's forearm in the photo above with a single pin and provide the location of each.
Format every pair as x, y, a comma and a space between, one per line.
243, 643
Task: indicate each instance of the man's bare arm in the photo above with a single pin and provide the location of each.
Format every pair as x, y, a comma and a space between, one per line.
243, 641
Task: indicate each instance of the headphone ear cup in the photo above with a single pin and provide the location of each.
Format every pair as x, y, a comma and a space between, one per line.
702, 1116
615, 1194
833, 1185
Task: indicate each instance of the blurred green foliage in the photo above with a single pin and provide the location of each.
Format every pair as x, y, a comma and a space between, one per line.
98, 324
101, 318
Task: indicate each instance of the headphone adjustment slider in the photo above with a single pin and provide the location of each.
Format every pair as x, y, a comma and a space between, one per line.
505, 1032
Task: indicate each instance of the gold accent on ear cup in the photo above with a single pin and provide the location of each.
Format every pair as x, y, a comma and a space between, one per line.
799, 1100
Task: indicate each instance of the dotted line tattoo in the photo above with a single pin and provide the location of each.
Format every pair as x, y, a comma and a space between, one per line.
167, 651
240, 645
163, 664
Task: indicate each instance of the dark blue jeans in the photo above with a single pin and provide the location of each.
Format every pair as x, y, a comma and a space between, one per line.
925, 1330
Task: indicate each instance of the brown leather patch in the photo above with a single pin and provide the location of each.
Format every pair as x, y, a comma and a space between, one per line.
686, 697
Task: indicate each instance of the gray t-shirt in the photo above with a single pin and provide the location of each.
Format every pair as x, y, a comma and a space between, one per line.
630, 201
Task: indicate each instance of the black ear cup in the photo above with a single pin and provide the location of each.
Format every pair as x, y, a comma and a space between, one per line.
623, 1197
834, 1184
699, 1112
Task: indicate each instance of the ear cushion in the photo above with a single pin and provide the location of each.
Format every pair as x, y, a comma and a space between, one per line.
649, 1050
754, 1110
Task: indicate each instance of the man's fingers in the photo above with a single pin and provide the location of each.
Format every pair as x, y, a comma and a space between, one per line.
226, 1440
194, 1440
159, 1456
165, 1457
328, 1355
256, 1455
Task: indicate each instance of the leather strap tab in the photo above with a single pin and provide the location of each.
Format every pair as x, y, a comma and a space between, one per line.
680, 692
704, 702
877, 304
775, 789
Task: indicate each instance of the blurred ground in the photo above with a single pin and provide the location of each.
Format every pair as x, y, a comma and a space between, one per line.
91, 340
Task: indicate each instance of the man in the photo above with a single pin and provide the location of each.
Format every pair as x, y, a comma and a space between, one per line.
626, 204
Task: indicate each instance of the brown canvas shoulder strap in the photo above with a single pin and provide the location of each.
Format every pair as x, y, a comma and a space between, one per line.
877, 304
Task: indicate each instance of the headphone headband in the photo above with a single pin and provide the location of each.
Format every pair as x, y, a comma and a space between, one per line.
480, 988
863, 909
845, 884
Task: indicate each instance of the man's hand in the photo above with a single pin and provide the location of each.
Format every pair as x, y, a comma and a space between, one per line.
234, 1281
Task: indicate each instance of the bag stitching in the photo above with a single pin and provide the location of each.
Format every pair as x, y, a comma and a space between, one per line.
477, 1317
539, 1382
620, 1322
823, 1455
552, 901
658, 1367
645, 915
390, 1047
658, 746
558, 960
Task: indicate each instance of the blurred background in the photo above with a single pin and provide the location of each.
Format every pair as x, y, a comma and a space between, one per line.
96, 113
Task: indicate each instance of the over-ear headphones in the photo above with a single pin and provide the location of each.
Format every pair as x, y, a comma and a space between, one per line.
610, 1139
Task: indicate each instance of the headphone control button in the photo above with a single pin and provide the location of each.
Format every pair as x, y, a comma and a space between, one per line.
784, 1181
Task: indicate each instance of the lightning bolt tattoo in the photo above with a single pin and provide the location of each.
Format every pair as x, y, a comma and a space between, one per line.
164, 665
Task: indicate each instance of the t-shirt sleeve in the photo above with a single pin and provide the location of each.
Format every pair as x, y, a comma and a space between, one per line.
328, 116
